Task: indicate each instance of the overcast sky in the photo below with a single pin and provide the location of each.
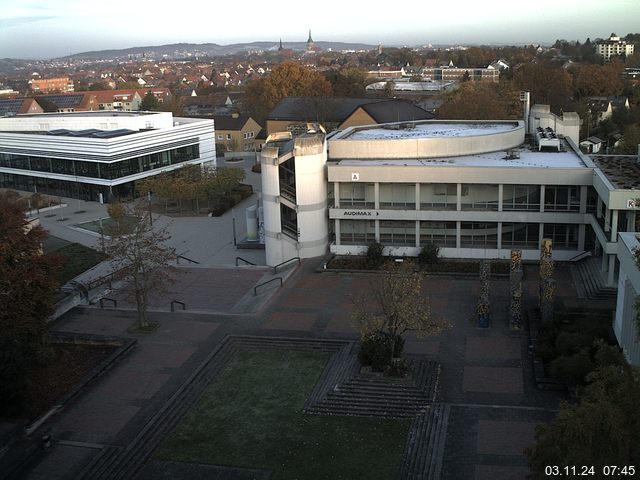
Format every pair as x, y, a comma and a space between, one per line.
53, 28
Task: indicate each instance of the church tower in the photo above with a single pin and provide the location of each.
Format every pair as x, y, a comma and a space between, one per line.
309, 42
280, 48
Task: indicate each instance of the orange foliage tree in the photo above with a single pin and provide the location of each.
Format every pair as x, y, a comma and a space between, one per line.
287, 79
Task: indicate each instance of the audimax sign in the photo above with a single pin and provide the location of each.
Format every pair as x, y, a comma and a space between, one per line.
360, 213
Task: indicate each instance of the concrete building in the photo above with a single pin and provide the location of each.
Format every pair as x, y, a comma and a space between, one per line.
52, 85
477, 189
98, 155
613, 47
625, 325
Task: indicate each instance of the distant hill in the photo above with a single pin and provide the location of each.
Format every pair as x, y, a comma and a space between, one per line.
182, 50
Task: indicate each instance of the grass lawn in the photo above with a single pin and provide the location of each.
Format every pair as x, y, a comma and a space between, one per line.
251, 417
75, 258
104, 224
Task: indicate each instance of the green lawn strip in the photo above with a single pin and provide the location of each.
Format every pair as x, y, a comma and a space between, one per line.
51, 244
76, 259
104, 224
251, 417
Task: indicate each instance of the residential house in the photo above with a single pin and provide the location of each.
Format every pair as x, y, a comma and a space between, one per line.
236, 133
602, 108
52, 85
591, 145
292, 114
14, 106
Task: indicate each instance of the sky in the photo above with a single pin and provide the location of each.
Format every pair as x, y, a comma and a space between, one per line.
53, 28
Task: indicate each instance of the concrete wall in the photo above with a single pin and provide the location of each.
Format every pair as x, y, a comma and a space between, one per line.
567, 125
624, 324
342, 147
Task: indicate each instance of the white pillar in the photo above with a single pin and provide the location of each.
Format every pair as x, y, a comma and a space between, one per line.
612, 271
500, 199
376, 195
337, 230
459, 197
542, 188
583, 199
614, 225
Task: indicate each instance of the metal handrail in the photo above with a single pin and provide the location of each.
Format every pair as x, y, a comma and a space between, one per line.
580, 256
244, 260
275, 269
185, 258
115, 302
182, 304
255, 289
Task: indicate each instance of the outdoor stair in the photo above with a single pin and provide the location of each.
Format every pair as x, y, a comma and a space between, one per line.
350, 392
589, 280
424, 451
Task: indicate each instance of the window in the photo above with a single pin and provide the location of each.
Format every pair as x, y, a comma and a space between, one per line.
400, 196
480, 197
564, 236
357, 195
561, 198
438, 196
442, 234
228, 136
478, 235
220, 136
521, 198
357, 232
398, 232
520, 235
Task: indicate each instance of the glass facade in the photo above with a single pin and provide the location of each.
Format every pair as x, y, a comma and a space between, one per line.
478, 235
438, 196
564, 236
521, 198
480, 197
357, 232
102, 170
400, 196
561, 198
398, 233
361, 195
520, 235
442, 234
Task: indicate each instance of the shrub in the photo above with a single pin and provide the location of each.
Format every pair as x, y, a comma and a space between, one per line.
376, 350
428, 254
573, 369
570, 342
12, 374
399, 368
374, 254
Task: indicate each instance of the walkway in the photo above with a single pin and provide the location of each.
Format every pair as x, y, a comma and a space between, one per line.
486, 382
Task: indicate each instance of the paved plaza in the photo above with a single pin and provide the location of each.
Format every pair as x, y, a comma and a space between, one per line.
486, 379
486, 373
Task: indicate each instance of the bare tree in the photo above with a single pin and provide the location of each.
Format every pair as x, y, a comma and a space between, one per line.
399, 305
139, 252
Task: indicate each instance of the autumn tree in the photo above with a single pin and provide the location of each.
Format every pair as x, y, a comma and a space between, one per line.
140, 254
27, 291
548, 84
399, 305
286, 79
348, 82
603, 428
481, 101
598, 80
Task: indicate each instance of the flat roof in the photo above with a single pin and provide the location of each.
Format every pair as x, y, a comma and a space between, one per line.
526, 158
623, 171
98, 113
430, 130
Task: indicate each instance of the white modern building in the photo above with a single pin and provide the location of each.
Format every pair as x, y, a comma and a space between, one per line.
98, 155
625, 325
477, 189
613, 47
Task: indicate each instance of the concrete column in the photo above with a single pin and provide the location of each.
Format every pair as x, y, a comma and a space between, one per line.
376, 195
611, 281
337, 230
336, 195
599, 208
581, 236
542, 187
417, 233
540, 235
377, 228
614, 225
459, 197
500, 197
631, 221
583, 199
607, 220
458, 234
417, 196
500, 227
603, 266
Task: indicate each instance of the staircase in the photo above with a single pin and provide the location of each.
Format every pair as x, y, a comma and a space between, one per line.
589, 280
424, 452
350, 392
